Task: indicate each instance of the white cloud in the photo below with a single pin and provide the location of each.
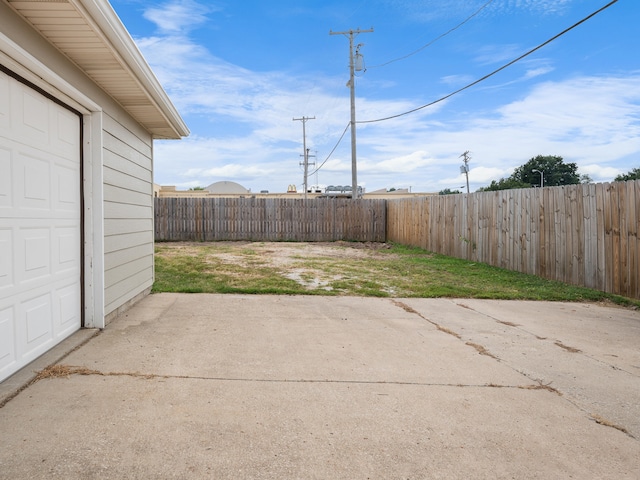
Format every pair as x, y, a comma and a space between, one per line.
601, 173
537, 72
457, 80
400, 164
178, 16
246, 133
591, 121
497, 54
546, 7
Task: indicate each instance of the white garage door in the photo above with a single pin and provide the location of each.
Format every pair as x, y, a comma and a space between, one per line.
40, 256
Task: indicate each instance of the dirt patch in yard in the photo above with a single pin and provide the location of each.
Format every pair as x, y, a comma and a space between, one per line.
297, 261
343, 268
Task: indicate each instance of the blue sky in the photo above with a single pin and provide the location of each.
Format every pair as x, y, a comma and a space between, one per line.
239, 71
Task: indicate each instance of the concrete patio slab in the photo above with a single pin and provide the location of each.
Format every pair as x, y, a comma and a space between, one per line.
587, 353
277, 387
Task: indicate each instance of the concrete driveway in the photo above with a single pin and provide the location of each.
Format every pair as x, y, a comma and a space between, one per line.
305, 387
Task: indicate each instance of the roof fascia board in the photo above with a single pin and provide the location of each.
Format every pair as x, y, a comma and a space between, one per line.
119, 40
26, 65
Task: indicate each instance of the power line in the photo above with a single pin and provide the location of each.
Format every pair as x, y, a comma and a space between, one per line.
437, 38
495, 71
332, 150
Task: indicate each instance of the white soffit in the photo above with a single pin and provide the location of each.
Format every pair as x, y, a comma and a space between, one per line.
91, 35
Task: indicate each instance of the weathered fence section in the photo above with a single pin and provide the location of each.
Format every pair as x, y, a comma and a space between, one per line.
269, 219
579, 234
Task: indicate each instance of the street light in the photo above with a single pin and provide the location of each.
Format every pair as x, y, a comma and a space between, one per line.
541, 177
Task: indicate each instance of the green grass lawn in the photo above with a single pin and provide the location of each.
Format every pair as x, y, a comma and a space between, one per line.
395, 271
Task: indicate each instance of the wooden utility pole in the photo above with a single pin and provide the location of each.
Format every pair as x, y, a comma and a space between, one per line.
464, 168
305, 150
352, 87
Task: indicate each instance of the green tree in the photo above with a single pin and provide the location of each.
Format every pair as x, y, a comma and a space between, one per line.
585, 179
196, 189
504, 184
553, 168
448, 191
549, 170
632, 175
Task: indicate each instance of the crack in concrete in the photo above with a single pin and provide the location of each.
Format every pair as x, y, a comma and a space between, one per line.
66, 371
480, 349
539, 384
22, 388
556, 342
602, 421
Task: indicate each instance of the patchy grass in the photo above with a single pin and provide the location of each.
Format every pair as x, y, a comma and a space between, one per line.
343, 268
207, 270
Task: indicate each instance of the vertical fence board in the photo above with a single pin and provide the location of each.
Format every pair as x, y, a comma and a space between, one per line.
589, 207
623, 240
615, 235
287, 219
540, 238
575, 217
634, 244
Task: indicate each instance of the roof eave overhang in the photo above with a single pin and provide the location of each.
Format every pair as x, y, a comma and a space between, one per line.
129, 79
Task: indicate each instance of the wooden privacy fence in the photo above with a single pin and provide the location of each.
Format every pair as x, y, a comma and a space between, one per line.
269, 219
579, 234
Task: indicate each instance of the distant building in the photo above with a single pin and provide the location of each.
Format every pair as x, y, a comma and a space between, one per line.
225, 187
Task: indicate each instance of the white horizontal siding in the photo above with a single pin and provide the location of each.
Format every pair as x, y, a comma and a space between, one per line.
128, 213
127, 196
127, 255
116, 243
115, 210
118, 178
136, 266
135, 148
121, 226
135, 170
123, 290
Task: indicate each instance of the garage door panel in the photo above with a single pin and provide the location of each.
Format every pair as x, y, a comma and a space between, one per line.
30, 115
38, 319
7, 340
28, 196
40, 224
33, 254
6, 197
66, 189
5, 102
34, 178
6, 167
65, 134
65, 258
67, 300
6, 259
